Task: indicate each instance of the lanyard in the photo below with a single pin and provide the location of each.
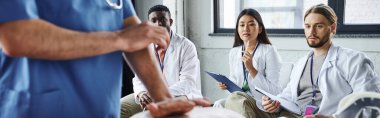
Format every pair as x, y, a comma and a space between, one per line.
314, 87
159, 60
245, 84
164, 55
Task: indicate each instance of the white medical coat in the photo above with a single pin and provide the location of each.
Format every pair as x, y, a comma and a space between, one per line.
266, 61
181, 69
343, 72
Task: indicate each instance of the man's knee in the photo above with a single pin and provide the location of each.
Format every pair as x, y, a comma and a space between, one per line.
219, 103
129, 106
240, 97
238, 100
242, 103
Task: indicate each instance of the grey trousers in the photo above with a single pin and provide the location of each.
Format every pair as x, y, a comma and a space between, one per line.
128, 106
244, 104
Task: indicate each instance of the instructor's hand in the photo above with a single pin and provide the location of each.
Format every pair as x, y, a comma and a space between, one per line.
175, 107
141, 36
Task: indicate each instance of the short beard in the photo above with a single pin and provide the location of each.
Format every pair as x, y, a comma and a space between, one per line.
324, 40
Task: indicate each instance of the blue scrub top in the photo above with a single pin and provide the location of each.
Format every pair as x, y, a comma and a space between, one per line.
82, 88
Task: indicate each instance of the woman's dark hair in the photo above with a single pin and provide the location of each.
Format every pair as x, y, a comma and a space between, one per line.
262, 37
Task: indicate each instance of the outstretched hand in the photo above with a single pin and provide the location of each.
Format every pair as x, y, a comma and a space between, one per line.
175, 107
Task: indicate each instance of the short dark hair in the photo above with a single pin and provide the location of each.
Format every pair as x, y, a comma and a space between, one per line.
262, 37
159, 8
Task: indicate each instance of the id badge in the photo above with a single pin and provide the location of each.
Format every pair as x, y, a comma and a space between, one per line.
310, 109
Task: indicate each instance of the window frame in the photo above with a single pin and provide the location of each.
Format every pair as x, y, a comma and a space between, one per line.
336, 5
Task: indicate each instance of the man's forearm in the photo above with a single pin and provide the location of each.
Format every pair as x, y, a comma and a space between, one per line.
145, 66
42, 40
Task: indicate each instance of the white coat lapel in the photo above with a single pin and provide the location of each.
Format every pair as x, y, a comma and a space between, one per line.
298, 70
173, 40
256, 57
328, 63
331, 56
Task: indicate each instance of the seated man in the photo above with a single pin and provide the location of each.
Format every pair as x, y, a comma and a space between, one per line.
179, 64
324, 76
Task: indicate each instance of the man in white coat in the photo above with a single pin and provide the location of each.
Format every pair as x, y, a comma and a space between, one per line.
179, 64
324, 76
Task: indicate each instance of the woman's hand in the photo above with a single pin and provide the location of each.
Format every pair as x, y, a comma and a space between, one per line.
222, 86
247, 59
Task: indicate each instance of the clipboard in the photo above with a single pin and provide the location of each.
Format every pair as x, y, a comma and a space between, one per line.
231, 86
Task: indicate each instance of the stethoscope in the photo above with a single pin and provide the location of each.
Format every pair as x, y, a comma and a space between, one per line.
115, 5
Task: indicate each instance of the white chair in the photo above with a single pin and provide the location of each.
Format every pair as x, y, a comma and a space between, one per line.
285, 71
359, 105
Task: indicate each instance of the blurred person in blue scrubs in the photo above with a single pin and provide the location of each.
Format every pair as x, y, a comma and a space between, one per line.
64, 59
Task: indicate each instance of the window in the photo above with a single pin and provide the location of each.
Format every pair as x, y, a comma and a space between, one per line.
356, 17
286, 16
